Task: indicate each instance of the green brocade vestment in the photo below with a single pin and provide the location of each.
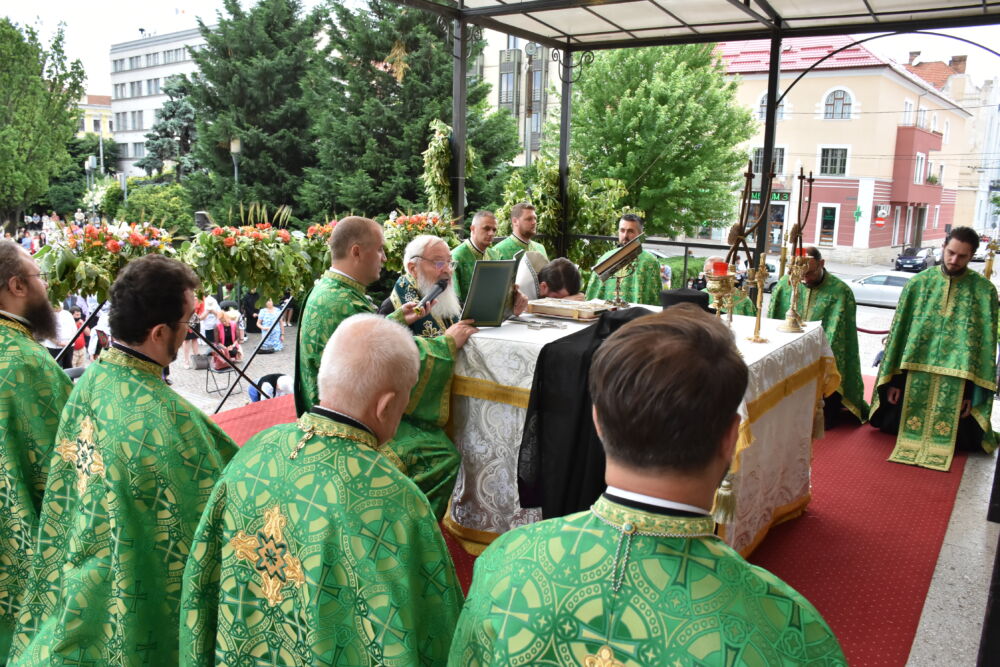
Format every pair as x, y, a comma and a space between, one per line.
943, 335
429, 456
743, 305
133, 467
512, 245
643, 285
428, 326
33, 390
465, 257
332, 557
544, 594
832, 303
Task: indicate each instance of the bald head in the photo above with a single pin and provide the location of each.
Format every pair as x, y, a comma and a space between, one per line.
351, 231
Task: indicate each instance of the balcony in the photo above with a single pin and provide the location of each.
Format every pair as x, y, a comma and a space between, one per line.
910, 140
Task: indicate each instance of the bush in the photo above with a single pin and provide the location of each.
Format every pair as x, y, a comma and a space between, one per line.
165, 205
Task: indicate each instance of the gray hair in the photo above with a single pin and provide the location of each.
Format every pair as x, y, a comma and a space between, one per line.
367, 354
418, 246
11, 261
710, 260
482, 215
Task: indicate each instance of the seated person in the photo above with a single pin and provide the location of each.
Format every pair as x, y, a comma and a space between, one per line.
537, 278
227, 340
641, 578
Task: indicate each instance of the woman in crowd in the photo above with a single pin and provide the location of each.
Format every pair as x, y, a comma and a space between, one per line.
265, 318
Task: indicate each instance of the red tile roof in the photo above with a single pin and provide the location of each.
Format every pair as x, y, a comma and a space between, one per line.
797, 54
935, 73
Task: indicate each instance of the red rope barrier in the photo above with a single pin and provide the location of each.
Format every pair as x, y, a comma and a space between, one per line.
872, 331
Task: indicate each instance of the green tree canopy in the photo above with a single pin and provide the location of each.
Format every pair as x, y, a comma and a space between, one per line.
389, 75
67, 188
38, 115
665, 122
251, 85
173, 135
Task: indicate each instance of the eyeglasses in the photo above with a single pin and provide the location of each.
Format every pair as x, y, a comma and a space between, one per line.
438, 264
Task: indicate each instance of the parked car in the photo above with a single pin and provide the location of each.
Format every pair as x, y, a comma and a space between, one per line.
912, 259
879, 289
982, 250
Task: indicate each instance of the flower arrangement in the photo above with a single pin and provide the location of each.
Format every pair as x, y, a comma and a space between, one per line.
401, 229
85, 260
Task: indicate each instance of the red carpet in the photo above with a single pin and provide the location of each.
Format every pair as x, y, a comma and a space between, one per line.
863, 553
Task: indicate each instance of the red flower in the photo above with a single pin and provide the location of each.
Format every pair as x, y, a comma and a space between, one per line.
113, 246
89, 231
229, 241
218, 231
284, 235
256, 236
137, 240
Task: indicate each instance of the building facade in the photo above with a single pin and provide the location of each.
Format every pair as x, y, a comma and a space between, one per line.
138, 71
95, 116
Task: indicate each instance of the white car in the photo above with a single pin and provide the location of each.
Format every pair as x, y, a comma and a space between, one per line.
880, 289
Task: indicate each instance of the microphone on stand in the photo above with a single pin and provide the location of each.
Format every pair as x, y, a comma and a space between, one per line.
436, 291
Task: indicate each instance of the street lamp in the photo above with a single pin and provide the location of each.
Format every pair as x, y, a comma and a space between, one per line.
235, 147
530, 50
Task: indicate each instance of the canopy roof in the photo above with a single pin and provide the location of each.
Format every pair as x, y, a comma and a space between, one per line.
578, 25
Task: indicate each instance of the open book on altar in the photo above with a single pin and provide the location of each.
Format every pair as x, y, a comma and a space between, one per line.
490, 300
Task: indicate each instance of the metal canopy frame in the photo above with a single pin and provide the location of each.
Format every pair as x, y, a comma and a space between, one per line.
638, 23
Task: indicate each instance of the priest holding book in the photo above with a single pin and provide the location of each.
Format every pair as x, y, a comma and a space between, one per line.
642, 284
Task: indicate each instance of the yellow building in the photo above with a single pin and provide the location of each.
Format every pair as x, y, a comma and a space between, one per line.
95, 116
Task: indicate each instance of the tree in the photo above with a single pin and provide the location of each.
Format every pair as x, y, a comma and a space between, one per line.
165, 205
67, 188
173, 135
665, 122
38, 114
374, 100
251, 86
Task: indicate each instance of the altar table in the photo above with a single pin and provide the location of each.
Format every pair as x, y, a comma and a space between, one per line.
781, 415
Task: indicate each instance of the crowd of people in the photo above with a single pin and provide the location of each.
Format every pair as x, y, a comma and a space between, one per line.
136, 532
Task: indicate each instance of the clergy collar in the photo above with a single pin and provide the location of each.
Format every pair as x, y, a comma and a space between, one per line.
340, 418
476, 248
519, 239
17, 318
652, 504
346, 275
821, 280
134, 353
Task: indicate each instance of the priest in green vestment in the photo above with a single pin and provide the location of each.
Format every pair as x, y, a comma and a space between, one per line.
33, 390
315, 548
430, 457
937, 378
524, 226
826, 298
426, 261
643, 283
133, 467
474, 249
641, 578
742, 305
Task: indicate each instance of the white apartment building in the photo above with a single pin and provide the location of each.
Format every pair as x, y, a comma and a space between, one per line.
138, 71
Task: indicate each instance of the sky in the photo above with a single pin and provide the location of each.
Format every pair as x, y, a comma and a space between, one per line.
92, 27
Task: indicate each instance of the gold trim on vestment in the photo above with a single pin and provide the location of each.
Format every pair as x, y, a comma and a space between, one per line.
647, 522
118, 358
418, 391
312, 424
490, 391
16, 326
941, 370
340, 278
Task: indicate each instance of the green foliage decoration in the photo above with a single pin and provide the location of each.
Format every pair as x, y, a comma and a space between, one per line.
400, 229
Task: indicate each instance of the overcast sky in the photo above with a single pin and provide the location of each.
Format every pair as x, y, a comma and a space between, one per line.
92, 27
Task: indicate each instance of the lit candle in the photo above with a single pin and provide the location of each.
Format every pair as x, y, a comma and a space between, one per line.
720, 268
800, 252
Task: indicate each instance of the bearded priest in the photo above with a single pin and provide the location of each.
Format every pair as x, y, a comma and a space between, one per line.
426, 261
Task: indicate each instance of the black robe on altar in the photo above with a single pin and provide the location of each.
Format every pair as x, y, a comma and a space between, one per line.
561, 464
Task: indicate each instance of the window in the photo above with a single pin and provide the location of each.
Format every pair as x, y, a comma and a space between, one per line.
118, 65
506, 86
937, 216
875, 280
152, 59
919, 168
941, 174
827, 224
779, 113
97, 125
121, 121
922, 117
779, 160
513, 42
838, 105
510, 81
137, 121
119, 91
934, 122
833, 162
135, 88
947, 132
138, 149
895, 227
111, 126
152, 86
896, 281
907, 112
123, 150
168, 57
135, 62
83, 124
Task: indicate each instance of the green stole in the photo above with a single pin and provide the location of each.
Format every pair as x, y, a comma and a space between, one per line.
943, 335
314, 540
430, 458
465, 257
642, 285
512, 245
428, 326
743, 305
133, 468
642, 588
832, 303
33, 390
